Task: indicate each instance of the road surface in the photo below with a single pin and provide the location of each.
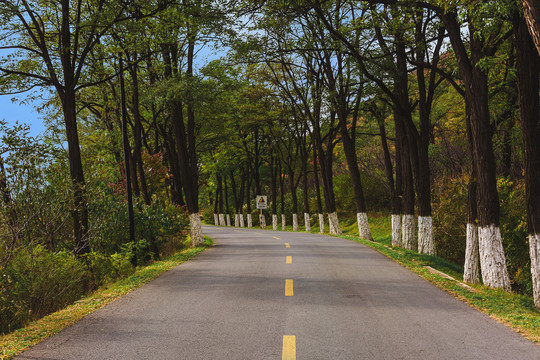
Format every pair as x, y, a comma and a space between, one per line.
278, 295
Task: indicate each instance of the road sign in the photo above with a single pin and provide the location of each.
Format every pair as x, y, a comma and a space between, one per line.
261, 202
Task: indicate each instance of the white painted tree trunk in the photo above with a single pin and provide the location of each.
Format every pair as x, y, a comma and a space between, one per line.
262, 221
283, 222
196, 233
242, 224
294, 222
408, 232
236, 220
228, 220
396, 230
333, 223
321, 223
221, 220
534, 245
492, 259
274, 222
363, 226
307, 222
249, 221
426, 243
216, 219
471, 272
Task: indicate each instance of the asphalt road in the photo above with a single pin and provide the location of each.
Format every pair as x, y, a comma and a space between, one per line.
241, 299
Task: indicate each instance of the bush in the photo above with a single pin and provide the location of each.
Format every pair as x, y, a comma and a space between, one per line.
38, 282
103, 269
154, 224
450, 218
513, 223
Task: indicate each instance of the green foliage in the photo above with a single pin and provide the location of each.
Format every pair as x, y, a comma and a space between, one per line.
153, 225
104, 269
37, 282
450, 218
513, 225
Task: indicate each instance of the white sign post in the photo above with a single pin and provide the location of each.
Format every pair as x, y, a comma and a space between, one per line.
262, 204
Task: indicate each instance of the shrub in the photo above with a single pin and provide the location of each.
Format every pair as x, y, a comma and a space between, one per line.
450, 218
38, 282
513, 224
103, 269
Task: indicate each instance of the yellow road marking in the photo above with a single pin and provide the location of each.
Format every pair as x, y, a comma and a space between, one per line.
259, 233
289, 347
289, 287
289, 260
275, 237
287, 245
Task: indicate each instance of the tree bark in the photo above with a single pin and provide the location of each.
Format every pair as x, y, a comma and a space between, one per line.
471, 273
137, 134
273, 190
528, 71
79, 211
402, 117
318, 190
531, 12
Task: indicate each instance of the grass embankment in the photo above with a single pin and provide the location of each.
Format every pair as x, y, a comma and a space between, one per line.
16, 342
514, 310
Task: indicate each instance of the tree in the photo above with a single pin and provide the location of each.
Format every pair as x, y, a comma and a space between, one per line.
49, 45
481, 45
528, 72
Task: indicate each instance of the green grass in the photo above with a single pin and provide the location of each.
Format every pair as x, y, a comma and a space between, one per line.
16, 342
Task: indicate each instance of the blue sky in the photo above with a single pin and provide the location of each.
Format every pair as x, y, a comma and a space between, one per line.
23, 113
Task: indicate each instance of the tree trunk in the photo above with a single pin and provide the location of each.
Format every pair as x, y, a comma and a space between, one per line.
172, 158
395, 199
294, 201
282, 198
248, 199
235, 200
318, 190
185, 142
79, 210
402, 117
137, 134
531, 12
528, 70
349, 149
305, 192
471, 272
219, 190
492, 259
227, 211
273, 190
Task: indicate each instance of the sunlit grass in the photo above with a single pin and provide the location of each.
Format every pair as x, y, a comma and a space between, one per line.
14, 343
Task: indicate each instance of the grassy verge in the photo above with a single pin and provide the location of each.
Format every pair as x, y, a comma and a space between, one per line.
514, 310
16, 342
